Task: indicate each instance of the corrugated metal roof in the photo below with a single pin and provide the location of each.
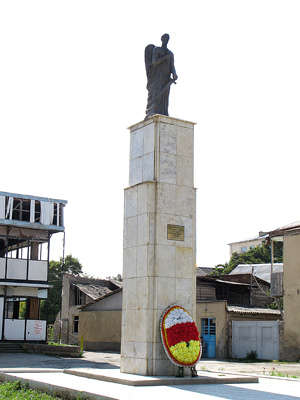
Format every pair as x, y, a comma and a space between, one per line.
252, 310
262, 271
202, 271
232, 283
250, 239
243, 279
294, 226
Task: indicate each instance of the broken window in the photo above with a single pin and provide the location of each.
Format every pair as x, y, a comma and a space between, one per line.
75, 324
79, 297
30, 210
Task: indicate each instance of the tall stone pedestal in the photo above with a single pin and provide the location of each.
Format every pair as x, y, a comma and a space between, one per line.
159, 239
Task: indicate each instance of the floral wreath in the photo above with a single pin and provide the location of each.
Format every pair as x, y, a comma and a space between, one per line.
180, 336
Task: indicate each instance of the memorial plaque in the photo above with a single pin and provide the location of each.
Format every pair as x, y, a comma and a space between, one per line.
175, 232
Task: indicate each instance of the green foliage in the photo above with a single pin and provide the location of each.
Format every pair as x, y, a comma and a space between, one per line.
274, 372
274, 305
251, 356
50, 333
118, 277
17, 391
56, 271
257, 255
22, 310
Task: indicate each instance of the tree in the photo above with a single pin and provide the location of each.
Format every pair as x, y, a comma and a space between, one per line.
118, 277
257, 255
71, 265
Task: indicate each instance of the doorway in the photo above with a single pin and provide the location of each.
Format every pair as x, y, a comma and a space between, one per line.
208, 330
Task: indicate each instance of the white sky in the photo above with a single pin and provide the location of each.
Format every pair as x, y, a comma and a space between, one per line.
72, 79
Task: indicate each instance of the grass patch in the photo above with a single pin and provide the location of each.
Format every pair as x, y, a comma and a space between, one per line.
246, 360
61, 344
17, 391
274, 372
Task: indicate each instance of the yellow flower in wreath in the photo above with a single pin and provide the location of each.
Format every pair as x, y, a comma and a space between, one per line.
186, 353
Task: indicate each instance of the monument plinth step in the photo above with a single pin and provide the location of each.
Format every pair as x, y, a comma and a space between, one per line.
203, 378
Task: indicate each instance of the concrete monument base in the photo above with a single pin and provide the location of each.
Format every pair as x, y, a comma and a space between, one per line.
203, 378
159, 239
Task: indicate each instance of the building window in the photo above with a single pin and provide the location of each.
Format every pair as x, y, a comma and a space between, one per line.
243, 249
15, 308
79, 296
75, 324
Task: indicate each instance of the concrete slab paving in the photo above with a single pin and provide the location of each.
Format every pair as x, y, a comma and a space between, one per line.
106, 360
42, 361
46, 373
69, 386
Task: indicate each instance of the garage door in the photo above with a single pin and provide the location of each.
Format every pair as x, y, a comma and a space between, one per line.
259, 336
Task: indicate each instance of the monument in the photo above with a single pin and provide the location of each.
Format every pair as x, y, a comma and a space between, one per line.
159, 222
160, 70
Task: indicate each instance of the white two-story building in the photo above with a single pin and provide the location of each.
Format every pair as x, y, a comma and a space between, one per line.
26, 226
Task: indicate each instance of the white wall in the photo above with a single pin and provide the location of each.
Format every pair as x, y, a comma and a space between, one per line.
17, 269
110, 303
14, 329
37, 270
22, 291
36, 330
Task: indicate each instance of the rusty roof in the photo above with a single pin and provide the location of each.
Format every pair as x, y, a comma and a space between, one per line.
92, 290
292, 227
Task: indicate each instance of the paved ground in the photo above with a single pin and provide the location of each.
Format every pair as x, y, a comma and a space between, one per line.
105, 360
268, 388
259, 368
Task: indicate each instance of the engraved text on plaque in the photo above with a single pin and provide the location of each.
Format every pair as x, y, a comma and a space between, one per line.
175, 232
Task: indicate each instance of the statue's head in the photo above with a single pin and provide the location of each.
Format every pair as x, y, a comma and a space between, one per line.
165, 38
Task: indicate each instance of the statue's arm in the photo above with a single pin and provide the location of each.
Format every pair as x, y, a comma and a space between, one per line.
157, 59
173, 68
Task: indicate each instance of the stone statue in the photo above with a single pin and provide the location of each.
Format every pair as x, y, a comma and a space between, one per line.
159, 62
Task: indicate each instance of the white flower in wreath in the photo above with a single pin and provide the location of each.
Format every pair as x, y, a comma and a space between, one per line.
177, 316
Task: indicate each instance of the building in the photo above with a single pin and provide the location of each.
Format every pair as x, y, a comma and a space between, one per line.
100, 322
76, 292
242, 289
233, 318
245, 245
27, 224
226, 307
289, 288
